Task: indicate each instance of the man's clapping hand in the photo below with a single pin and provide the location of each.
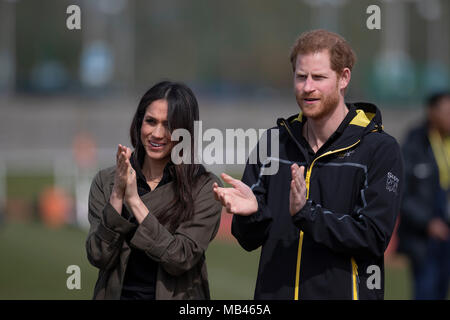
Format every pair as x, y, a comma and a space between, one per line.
239, 199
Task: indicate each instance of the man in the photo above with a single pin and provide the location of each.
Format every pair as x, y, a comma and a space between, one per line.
326, 217
424, 234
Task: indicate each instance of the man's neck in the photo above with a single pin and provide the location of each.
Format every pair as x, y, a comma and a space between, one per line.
318, 131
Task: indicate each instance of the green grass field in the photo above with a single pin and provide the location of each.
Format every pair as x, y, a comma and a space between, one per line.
35, 259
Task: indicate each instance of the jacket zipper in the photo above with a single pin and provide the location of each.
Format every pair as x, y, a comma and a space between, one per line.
307, 182
355, 280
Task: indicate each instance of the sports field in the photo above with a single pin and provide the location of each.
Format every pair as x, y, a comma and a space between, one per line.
35, 259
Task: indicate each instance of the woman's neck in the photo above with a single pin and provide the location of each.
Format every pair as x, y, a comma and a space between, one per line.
153, 169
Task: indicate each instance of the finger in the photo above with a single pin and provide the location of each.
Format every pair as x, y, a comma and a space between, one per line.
303, 190
222, 196
302, 171
297, 187
119, 150
120, 168
294, 170
230, 180
297, 178
121, 162
218, 195
128, 153
227, 199
302, 182
120, 157
294, 189
215, 191
123, 157
299, 174
125, 150
228, 204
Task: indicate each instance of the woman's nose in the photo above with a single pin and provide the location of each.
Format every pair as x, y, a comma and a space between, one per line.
159, 132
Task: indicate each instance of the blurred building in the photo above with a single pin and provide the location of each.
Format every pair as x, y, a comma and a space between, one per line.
221, 48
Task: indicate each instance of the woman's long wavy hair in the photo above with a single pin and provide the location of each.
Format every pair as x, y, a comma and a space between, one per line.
182, 112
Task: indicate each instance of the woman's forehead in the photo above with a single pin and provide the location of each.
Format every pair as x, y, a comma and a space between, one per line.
157, 108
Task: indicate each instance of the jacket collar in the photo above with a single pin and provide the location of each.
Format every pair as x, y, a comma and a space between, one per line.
362, 119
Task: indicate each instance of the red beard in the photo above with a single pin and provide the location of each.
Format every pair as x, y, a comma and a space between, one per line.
320, 109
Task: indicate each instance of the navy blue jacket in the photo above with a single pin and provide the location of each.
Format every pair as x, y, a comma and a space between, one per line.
423, 197
333, 248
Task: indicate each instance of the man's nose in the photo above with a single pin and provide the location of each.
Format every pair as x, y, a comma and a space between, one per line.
309, 84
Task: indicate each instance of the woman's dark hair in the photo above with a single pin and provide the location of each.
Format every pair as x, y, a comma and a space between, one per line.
182, 112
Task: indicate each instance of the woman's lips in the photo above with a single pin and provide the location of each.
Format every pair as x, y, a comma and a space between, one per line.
156, 146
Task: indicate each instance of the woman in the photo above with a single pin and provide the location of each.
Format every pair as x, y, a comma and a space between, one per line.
151, 221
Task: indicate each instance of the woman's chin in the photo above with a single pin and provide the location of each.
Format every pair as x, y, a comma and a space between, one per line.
158, 155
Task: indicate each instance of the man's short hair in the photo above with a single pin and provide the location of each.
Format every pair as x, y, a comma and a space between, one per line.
341, 54
434, 99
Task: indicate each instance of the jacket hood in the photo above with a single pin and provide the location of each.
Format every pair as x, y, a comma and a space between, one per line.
367, 114
367, 119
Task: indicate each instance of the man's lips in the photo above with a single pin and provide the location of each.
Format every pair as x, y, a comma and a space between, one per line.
310, 100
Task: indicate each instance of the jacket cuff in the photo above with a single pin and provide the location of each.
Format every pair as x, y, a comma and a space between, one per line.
151, 237
106, 234
300, 216
256, 216
115, 222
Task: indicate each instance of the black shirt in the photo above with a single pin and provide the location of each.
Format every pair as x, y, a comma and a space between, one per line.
140, 275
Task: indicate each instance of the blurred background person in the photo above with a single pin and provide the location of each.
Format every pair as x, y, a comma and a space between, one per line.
424, 227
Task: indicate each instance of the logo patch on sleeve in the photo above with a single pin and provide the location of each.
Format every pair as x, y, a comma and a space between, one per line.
392, 182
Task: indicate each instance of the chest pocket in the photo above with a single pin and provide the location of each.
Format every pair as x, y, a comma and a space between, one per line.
338, 186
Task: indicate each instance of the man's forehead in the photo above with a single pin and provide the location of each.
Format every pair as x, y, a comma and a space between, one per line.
318, 61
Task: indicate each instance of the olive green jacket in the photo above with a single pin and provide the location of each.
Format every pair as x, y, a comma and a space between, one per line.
180, 254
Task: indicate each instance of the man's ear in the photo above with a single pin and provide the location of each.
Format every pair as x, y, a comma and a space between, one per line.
344, 79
